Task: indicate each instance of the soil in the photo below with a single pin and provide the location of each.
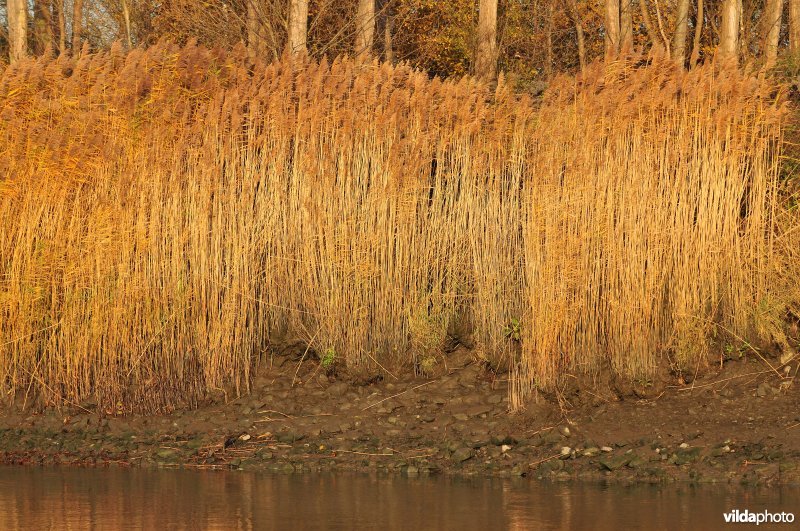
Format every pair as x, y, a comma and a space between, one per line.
738, 423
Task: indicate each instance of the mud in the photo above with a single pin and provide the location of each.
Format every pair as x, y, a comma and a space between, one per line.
738, 424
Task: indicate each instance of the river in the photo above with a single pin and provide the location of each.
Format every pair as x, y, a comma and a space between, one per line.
116, 498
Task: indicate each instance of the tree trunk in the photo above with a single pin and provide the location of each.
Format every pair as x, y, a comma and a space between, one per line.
729, 31
581, 44
681, 32
365, 29
388, 48
612, 29
486, 53
577, 21
794, 25
256, 45
698, 32
648, 24
626, 26
58, 6
548, 67
17, 13
298, 27
77, 26
126, 16
773, 12
42, 26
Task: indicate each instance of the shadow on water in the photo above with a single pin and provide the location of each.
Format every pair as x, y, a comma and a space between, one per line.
54, 498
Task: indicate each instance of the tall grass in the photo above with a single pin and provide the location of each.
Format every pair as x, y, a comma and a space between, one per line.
171, 214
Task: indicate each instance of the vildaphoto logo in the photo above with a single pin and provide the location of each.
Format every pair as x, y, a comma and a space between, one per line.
764, 517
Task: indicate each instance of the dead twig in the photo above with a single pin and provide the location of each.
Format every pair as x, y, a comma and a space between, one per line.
398, 394
537, 463
689, 388
540, 430
360, 453
278, 412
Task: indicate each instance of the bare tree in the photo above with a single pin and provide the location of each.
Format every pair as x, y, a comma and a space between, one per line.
698, 33
77, 26
126, 17
729, 31
625, 25
681, 32
575, 16
298, 27
773, 12
486, 53
17, 13
61, 25
794, 25
548, 64
365, 28
42, 26
612, 27
256, 46
388, 27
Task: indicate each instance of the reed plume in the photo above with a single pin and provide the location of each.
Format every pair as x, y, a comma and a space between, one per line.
172, 213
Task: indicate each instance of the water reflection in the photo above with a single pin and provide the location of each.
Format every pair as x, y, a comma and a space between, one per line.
152, 499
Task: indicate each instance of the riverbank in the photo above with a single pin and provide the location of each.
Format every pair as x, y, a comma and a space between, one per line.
738, 424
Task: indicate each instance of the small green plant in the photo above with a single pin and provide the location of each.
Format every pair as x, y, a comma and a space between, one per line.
328, 359
427, 364
733, 352
512, 330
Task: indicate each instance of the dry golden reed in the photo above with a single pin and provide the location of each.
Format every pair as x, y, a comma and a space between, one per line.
170, 214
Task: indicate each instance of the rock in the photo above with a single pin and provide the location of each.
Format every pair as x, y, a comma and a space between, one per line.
166, 453
500, 441
195, 444
767, 471
591, 452
551, 437
289, 437
564, 431
615, 462
477, 411
720, 450
244, 437
683, 445
412, 470
517, 470
606, 449
566, 451
461, 455
635, 462
683, 456
552, 465
506, 447
461, 417
763, 390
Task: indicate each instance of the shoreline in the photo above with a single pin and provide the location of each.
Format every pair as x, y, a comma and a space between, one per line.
731, 428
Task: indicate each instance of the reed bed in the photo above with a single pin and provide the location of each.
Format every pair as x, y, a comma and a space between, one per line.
172, 214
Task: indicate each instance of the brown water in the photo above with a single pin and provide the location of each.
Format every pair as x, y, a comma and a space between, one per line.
53, 498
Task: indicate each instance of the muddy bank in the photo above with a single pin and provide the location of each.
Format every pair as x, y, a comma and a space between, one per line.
740, 424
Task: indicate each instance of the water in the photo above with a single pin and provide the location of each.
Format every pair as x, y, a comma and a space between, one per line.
64, 498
